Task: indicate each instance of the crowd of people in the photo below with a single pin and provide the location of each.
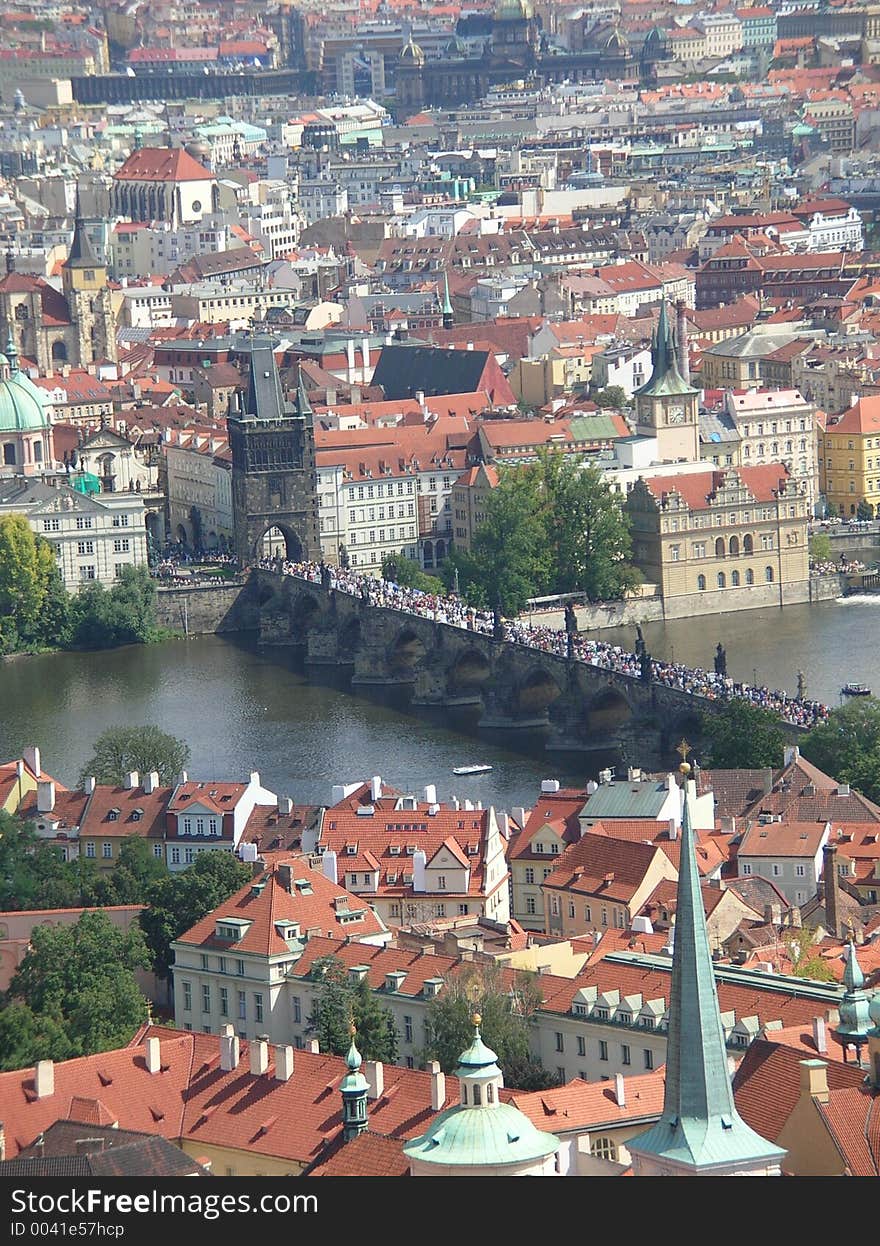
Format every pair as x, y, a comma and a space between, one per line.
844, 566
450, 609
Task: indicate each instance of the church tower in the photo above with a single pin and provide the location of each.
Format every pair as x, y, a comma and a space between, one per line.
273, 465
353, 1088
700, 1132
84, 283
667, 407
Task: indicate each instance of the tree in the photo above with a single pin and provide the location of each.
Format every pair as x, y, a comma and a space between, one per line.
177, 901
820, 547
124, 615
588, 529
338, 1005
119, 750
505, 1021
27, 567
26, 1037
847, 745
408, 574
83, 978
611, 396
135, 872
743, 736
509, 560
864, 510
805, 961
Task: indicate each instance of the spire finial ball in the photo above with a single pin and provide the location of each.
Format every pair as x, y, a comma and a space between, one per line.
685, 768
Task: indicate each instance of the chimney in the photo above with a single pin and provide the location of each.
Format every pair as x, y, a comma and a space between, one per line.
619, 1090
518, 814
673, 829
791, 753
229, 1049
814, 1079
829, 852
328, 864
44, 1079
284, 877
313, 1046
285, 805
151, 782
31, 756
45, 795
375, 787
681, 342
131, 780
431, 794
820, 1035
374, 1072
419, 862
438, 1086
89, 785
183, 777
259, 1056
283, 1062
153, 1055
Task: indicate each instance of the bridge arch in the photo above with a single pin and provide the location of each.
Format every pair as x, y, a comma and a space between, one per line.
279, 539
469, 671
350, 639
537, 692
406, 651
607, 712
305, 613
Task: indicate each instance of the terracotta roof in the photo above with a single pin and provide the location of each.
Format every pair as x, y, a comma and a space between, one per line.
852, 1117
734, 790
767, 1084
97, 819
162, 164
862, 417
596, 865
313, 903
368, 1155
582, 1105
711, 850
217, 797
67, 810
559, 809
782, 839
695, 489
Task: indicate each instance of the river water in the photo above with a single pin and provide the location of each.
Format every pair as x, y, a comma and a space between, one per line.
241, 709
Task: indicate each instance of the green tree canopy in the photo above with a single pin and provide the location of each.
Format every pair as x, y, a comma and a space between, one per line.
83, 978
177, 901
119, 750
27, 1036
611, 396
820, 547
741, 735
122, 615
404, 571
506, 1014
27, 570
847, 745
338, 1004
33, 875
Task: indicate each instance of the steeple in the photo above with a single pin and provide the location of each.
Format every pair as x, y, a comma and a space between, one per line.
12, 353
700, 1130
82, 253
448, 314
353, 1088
854, 1008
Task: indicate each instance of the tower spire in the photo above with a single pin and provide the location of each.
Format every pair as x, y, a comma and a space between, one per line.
353, 1088
448, 314
854, 1008
700, 1130
303, 406
81, 253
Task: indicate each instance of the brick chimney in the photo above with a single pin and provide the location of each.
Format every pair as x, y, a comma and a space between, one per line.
229, 1049
44, 1079
283, 1062
832, 890
45, 795
259, 1050
153, 1054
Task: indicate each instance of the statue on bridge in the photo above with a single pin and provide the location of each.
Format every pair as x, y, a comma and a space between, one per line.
645, 668
325, 575
571, 623
801, 686
641, 647
497, 623
721, 661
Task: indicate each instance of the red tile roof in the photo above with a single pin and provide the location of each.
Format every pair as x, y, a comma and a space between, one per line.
162, 164
368, 1155
763, 482
580, 1105
314, 903
597, 865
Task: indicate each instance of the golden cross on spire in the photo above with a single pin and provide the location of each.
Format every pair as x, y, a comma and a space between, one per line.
683, 749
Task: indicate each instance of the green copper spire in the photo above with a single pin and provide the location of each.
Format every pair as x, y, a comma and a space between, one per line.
665, 377
353, 1088
854, 1007
12, 353
700, 1128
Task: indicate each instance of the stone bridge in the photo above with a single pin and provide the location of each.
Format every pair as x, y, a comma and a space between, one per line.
509, 687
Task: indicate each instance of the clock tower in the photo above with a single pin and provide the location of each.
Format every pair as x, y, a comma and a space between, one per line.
667, 407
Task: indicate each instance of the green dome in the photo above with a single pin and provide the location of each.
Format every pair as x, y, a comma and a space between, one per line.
481, 1137
514, 11
22, 405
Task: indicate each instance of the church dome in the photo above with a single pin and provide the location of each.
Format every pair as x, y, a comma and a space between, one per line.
22, 403
514, 11
411, 53
617, 41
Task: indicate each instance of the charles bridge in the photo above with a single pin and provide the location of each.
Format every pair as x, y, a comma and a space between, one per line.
508, 687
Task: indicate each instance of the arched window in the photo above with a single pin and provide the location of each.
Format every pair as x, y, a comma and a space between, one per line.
768, 574
734, 546
59, 352
38, 452
722, 582
719, 547
490, 1093
750, 576
478, 1097
701, 583
603, 1148
760, 449
748, 544
734, 579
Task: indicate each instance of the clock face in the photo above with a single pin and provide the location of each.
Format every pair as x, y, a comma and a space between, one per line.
675, 415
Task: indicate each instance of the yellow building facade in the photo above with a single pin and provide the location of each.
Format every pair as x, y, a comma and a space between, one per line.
849, 458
